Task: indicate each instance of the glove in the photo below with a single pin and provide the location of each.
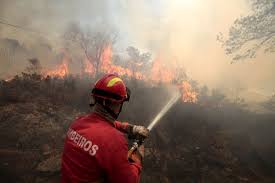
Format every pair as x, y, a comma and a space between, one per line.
140, 130
138, 155
135, 131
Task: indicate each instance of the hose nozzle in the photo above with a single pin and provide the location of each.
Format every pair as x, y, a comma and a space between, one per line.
136, 144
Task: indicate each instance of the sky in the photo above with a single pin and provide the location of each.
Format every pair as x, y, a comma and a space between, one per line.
181, 30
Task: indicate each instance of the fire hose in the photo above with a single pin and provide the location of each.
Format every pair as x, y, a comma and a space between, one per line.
139, 140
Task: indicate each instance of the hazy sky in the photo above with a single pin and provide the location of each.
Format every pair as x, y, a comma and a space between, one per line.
185, 30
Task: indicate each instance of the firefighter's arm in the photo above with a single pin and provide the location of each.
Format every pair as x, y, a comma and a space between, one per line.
131, 130
119, 168
123, 127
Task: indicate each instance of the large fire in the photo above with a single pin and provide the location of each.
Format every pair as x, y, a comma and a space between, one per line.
159, 72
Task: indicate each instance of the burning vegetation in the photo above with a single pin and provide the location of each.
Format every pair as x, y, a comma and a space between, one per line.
139, 66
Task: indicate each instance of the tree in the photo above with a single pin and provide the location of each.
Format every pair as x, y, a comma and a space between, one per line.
253, 32
137, 56
92, 42
138, 60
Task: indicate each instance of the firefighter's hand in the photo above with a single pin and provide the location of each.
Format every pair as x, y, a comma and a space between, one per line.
138, 155
140, 131
140, 151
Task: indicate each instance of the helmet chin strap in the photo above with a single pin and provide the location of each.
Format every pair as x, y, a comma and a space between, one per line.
92, 102
109, 110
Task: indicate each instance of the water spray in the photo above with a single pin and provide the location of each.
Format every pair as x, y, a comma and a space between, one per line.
139, 140
163, 111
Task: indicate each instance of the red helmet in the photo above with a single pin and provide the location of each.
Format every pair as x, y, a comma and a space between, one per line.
111, 87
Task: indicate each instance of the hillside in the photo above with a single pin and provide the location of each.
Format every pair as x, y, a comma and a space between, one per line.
192, 143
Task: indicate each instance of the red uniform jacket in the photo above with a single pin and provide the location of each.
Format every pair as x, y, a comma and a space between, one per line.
95, 150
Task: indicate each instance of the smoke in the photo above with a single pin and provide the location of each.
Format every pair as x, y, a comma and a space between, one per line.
181, 31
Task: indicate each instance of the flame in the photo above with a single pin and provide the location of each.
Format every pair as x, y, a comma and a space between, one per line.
88, 67
160, 72
188, 94
61, 71
106, 57
108, 67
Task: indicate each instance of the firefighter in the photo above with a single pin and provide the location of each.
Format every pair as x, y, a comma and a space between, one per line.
95, 148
